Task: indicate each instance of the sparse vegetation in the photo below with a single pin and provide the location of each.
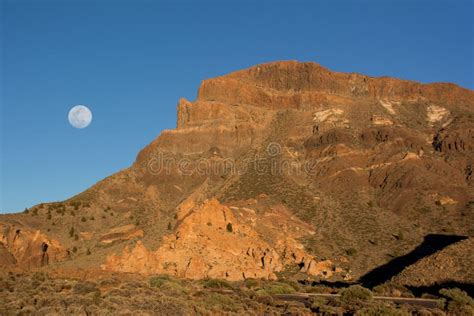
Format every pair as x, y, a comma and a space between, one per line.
163, 294
229, 227
355, 294
351, 252
458, 301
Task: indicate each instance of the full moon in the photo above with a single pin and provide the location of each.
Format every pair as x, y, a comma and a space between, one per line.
80, 116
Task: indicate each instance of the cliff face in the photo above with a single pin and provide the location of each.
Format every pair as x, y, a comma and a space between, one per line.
369, 165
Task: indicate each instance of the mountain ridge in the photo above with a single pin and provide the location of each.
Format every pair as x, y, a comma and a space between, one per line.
372, 165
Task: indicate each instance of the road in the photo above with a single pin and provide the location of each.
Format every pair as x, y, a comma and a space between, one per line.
302, 297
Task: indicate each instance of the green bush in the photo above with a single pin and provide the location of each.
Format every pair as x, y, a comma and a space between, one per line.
251, 283
217, 284
40, 276
459, 302
173, 288
355, 294
278, 288
220, 302
159, 280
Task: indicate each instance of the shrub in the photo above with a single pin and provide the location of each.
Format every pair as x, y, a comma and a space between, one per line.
83, 219
217, 284
82, 288
26, 211
173, 288
382, 309
158, 280
351, 252
40, 276
229, 227
74, 249
169, 226
278, 288
251, 283
459, 302
220, 302
71, 232
355, 294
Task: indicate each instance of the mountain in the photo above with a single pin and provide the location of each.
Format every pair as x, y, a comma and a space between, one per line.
282, 168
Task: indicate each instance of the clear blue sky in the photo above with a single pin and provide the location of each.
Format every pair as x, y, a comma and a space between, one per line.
130, 62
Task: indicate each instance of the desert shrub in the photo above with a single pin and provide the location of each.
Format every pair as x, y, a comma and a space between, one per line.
217, 284
351, 252
278, 288
92, 218
26, 211
173, 288
159, 280
382, 309
229, 227
220, 302
39, 276
71, 232
390, 289
317, 302
82, 288
251, 283
83, 219
74, 249
459, 302
292, 283
169, 226
355, 294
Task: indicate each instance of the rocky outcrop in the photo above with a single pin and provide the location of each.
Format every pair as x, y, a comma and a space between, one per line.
215, 241
29, 248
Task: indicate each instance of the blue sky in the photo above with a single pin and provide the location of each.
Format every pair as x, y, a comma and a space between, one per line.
130, 62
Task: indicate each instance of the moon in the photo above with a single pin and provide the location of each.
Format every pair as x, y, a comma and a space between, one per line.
80, 116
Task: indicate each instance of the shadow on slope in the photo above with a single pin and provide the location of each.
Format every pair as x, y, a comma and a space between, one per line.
434, 289
431, 244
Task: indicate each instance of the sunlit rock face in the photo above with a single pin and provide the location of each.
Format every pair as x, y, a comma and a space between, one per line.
215, 241
29, 248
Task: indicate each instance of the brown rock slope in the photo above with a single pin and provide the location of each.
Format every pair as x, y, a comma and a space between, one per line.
451, 265
369, 165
